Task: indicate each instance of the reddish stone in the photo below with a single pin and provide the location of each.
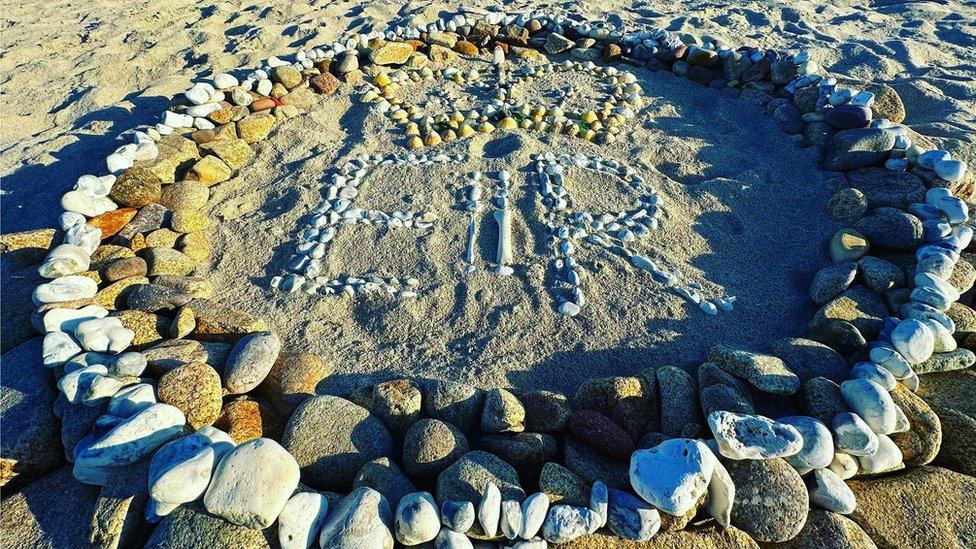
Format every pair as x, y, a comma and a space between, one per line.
263, 104
324, 83
112, 222
466, 48
600, 433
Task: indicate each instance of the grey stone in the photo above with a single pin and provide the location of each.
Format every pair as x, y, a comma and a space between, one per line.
772, 501
466, 479
362, 519
857, 148
831, 281
765, 372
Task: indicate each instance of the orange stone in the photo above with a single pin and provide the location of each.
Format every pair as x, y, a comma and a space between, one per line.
466, 48
262, 104
112, 222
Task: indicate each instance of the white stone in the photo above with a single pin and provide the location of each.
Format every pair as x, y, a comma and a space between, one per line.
742, 436
844, 465
362, 519
301, 520
83, 203
489, 509
872, 402
58, 348
104, 335
252, 483
199, 94
224, 81
129, 441
951, 170
132, 400
64, 260
599, 501
817, 450
673, 475
534, 510
913, 339
416, 520
853, 436
511, 519
887, 458
85, 236
565, 523
181, 470
66, 320
66, 288
831, 492
177, 120
449, 539
118, 162
721, 494
75, 384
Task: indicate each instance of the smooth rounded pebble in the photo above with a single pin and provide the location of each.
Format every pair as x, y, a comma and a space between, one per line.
301, 520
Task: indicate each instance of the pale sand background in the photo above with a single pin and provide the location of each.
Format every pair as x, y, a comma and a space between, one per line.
745, 203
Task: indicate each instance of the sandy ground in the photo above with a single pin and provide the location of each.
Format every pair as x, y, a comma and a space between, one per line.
745, 205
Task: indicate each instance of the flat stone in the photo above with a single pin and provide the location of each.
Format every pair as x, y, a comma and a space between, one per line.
252, 483
235, 154
137, 187
920, 444
673, 475
193, 526
959, 359
256, 127
330, 454
859, 306
391, 53
892, 229
600, 433
857, 148
771, 499
872, 402
524, 451
631, 518
594, 466
809, 359
216, 322
564, 523
56, 511
166, 261
129, 267
885, 188
765, 372
466, 479
563, 486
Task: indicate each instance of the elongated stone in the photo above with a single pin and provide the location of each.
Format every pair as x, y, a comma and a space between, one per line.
301, 520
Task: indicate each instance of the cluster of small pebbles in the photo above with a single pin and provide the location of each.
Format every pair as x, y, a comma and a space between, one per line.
152, 373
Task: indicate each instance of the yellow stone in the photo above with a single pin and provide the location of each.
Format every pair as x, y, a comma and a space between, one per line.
184, 323
196, 246
234, 153
432, 139
412, 129
486, 127
382, 79
415, 143
113, 296
589, 117
190, 221
163, 238
255, 127
465, 131
210, 170
508, 123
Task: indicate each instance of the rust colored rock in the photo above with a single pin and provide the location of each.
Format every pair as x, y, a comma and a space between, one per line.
112, 222
324, 83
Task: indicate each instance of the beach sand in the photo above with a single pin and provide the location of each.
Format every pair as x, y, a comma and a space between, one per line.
744, 202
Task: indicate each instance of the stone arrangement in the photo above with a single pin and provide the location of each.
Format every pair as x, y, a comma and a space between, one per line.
199, 399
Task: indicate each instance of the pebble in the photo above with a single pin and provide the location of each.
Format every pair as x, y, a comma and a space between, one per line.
721, 494
64, 260
848, 245
180, 471
831, 492
301, 520
817, 449
67, 320
831, 281
601, 434
853, 436
742, 436
250, 361
195, 389
57, 348
844, 465
459, 515
362, 519
132, 400
510, 520
887, 458
631, 518
416, 520
128, 441
502, 413
66, 288
430, 446
449, 539
771, 500
673, 475
252, 484
857, 148
765, 372
489, 509
599, 500
565, 523
104, 335
872, 402
534, 510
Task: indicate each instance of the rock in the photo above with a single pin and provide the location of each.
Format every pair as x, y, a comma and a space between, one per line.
771, 499
673, 475
250, 361
331, 454
847, 205
449, 539
292, 379
550, 411
502, 413
362, 519
456, 403
765, 372
396, 403
561, 485
147, 327
66, 288
564, 523
872, 402
154, 298
128, 267
848, 245
533, 511
466, 479
831, 281
958, 451
557, 43
64, 260
830, 492
896, 511
826, 528
753, 437
301, 520
234, 153
880, 275
809, 359
216, 322
679, 397
920, 444
286, 75
631, 402
137, 187
593, 466
489, 510
255, 127
126, 442
721, 495
458, 515
189, 195
252, 483
385, 477
891, 228
324, 83
887, 103
56, 511
416, 520
510, 522
166, 261
885, 188
391, 53
29, 445
524, 451
857, 305
853, 436
597, 431
723, 397
193, 527
631, 518
846, 117
430, 446
885, 459
195, 389
181, 470
817, 450
857, 148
